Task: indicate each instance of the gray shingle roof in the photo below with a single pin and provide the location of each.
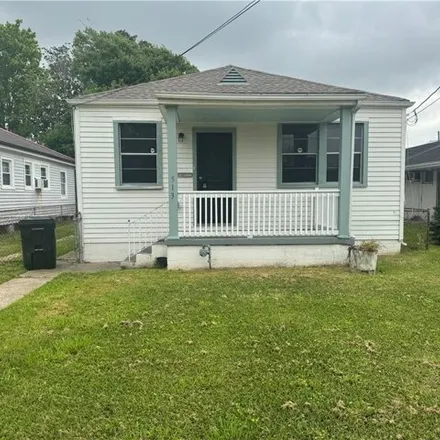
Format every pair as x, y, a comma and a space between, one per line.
20, 143
208, 82
423, 154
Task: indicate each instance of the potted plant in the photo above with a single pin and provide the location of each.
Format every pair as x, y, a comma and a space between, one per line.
363, 256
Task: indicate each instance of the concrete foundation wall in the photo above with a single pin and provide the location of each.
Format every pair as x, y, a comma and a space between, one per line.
187, 257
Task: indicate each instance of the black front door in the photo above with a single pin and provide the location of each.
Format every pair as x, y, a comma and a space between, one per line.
214, 173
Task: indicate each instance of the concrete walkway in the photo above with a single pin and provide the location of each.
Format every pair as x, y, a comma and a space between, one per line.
27, 282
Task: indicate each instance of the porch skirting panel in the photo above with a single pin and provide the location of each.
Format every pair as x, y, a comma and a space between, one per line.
188, 257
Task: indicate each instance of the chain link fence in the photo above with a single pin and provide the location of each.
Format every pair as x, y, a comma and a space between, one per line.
416, 228
67, 232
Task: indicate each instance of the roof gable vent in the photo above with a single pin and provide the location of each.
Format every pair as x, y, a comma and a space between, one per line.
233, 77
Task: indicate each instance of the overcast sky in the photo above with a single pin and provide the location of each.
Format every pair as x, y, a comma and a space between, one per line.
384, 47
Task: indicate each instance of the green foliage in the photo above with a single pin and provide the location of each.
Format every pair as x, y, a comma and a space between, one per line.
265, 353
104, 60
21, 77
33, 97
435, 226
370, 246
60, 138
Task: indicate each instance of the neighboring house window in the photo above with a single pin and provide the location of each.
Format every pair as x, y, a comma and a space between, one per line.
299, 151
428, 176
414, 176
28, 175
139, 150
334, 149
7, 172
44, 174
63, 183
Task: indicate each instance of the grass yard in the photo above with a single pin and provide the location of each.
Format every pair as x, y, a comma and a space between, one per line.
317, 353
9, 270
416, 235
10, 249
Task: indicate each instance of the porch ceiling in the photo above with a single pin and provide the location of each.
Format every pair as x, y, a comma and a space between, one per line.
283, 114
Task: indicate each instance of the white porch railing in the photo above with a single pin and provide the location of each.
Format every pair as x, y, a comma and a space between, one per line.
147, 230
258, 213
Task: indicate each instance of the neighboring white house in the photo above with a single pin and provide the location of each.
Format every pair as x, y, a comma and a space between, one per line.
35, 180
244, 167
422, 189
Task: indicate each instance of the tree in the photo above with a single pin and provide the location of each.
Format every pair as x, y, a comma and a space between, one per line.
20, 77
55, 114
104, 60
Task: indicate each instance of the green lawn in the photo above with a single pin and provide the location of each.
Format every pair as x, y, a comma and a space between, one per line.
416, 235
317, 353
10, 249
9, 270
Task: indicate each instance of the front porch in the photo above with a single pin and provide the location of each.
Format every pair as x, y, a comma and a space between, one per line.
221, 208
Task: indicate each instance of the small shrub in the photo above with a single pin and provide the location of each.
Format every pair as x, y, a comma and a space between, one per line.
434, 227
370, 246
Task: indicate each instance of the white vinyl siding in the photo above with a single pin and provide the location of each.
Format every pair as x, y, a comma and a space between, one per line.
106, 210
375, 211
23, 197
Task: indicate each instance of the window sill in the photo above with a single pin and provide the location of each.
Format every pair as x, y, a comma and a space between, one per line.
297, 185
335, 185
7, 187
137, 187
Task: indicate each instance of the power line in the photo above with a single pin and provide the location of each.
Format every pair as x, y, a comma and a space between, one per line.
223, 25
416, 114
429, 105
409, 115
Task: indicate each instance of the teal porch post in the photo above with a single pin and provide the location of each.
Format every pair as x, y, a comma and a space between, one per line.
345, 172
172, 172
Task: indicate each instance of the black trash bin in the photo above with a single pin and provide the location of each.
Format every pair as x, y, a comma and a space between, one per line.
38, 243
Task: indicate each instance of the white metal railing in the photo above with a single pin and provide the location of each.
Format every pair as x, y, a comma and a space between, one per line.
147, 230
258, 213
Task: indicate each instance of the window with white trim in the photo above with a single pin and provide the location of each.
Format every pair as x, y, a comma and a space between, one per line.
7, 179
139, 152
28, 175
44, 174
299, 153
334, 150
63, 183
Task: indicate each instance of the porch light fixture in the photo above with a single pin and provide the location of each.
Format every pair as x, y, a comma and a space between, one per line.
181, 137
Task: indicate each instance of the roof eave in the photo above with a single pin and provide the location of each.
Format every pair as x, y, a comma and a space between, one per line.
424, 165
390, 103
112, 102
67, 160
163, 98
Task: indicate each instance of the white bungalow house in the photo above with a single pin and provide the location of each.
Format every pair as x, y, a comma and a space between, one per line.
238, 167
422, 187
34, 180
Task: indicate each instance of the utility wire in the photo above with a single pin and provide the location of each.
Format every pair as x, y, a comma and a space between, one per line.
223, 25
410, 114
429, 105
